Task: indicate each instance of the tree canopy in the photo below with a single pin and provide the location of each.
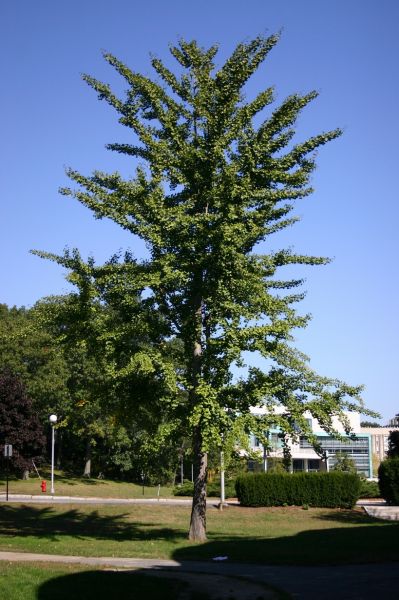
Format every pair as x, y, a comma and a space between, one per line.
51, 348
216, 175
29, 349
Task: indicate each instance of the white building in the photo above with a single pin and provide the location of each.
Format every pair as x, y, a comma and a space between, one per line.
379, 440
304, 457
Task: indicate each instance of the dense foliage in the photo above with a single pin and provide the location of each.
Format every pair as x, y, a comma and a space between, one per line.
369, 489
65, 373
333, 490
344, 463
388, 480
30, 349
393, 444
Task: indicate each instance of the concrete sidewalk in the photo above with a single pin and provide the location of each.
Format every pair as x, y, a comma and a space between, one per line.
379, 509
382, 511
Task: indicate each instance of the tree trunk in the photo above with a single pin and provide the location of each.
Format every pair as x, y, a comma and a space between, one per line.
197, 530
87, 469
198, 512
25, 474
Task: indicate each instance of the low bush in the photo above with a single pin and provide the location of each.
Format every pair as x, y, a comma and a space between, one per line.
388, 480
369, 489
331, 490
184, 489
212, 489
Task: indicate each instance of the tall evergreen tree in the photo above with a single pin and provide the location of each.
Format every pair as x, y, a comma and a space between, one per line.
216, 175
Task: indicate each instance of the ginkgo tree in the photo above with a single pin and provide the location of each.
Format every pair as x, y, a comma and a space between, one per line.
216, 174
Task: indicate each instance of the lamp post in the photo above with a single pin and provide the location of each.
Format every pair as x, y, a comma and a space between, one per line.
53, 421
222, 488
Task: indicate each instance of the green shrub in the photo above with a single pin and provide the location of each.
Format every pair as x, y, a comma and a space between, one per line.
185, 489
344, 463
332, 490
213, 489
369, 489
388, 480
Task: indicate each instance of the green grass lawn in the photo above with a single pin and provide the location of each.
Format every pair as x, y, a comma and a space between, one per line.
67, 485
30, 581
285, 535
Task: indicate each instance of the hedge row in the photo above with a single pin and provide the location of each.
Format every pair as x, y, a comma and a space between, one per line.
332, 490
388, 480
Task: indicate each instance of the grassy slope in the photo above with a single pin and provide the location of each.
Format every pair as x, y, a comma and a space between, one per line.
284, 535
65, 485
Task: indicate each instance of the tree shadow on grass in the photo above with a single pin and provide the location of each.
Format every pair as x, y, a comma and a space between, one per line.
49, 523
90, 481
339, 545
105, 585
358, 516
334, 546
154, 584
73, 479
65, 479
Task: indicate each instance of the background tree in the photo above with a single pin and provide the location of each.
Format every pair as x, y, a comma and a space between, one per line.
217, 175
31, 351
343, 462
66, 350
103, 335
19, 424
57, 379
393, 444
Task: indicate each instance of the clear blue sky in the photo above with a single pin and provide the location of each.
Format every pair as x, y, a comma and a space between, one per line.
346, 49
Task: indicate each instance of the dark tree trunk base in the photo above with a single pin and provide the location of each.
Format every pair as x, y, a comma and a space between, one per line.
197, 530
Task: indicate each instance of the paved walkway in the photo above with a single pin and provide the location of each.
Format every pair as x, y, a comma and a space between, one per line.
379, 510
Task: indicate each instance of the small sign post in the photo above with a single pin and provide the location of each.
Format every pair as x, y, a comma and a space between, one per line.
8, 455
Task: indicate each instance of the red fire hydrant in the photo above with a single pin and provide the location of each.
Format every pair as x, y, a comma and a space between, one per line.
43, 485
